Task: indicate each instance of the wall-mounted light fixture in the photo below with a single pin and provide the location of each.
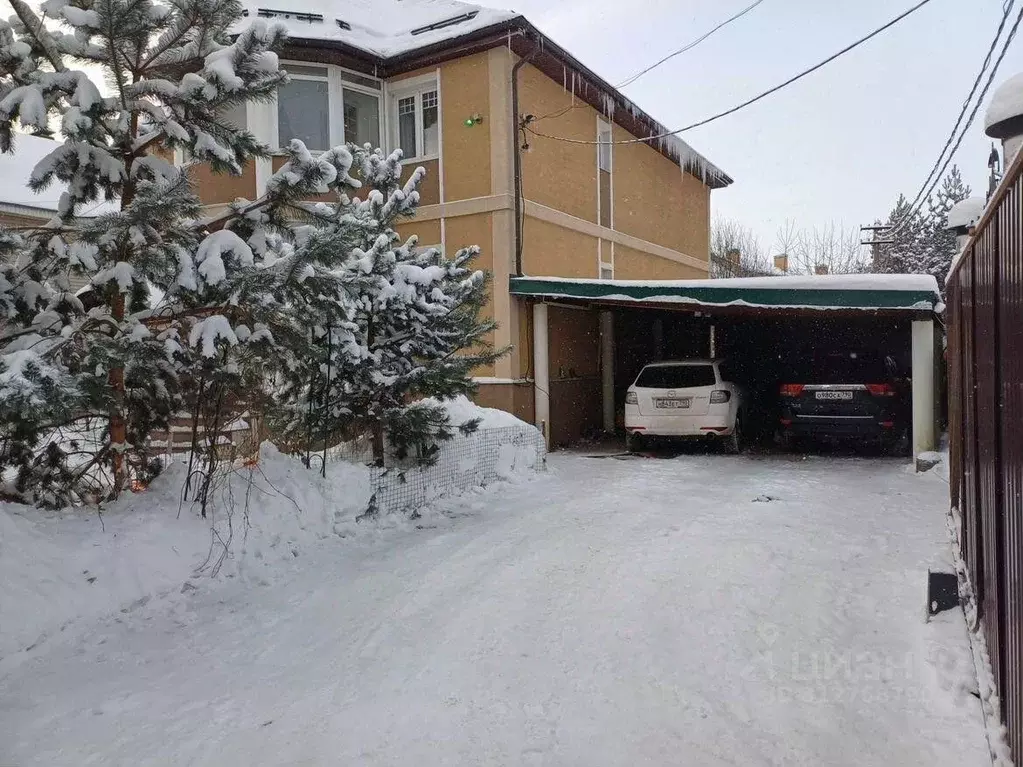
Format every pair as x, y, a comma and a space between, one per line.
474, 119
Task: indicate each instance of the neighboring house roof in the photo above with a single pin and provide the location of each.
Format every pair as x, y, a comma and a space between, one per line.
15, 168
396, 36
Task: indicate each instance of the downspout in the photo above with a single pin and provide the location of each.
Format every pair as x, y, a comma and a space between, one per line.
516, 156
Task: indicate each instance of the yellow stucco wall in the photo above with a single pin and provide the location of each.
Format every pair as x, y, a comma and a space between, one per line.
633, 264
555, 173
465, 91
655, 201
428, 232
556, 251
474, 230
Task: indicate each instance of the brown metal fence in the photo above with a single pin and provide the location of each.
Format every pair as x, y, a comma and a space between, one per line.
985, 368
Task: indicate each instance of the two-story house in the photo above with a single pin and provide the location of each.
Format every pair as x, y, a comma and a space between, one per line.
464, 90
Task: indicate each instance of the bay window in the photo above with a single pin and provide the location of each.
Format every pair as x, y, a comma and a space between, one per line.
325, 106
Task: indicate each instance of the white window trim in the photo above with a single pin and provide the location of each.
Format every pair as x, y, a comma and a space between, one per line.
415, 87
336, 85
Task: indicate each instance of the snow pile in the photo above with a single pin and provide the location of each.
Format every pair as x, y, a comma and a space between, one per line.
61, 567
966, 213
58, 567
1006, 103
462, 409
501, 449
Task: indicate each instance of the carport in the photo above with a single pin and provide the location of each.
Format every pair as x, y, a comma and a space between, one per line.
591, 337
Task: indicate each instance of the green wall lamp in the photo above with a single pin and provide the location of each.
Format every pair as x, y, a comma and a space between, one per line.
474, 119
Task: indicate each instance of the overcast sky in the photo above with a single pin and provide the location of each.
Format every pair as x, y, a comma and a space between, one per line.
841, 144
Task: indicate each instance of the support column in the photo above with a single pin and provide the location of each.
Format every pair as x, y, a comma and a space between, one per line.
657, 331
923, 387
541, 372
607, 368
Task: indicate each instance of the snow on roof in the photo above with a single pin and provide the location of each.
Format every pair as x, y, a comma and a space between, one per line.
381, 27
966, 213
898, 282
1006, 103
16, 167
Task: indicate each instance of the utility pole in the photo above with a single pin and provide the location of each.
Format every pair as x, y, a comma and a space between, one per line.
877, 231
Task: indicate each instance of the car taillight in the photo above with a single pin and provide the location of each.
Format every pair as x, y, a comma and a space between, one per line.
881, 390
791, 390
719, 396
631, 398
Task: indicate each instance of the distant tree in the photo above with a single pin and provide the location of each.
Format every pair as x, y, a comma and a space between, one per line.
735, 251
906, 254
830, 249
940, 242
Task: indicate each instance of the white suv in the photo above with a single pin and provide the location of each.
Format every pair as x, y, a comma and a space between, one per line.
686, 398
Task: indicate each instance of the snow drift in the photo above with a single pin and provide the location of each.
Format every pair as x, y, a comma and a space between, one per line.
61, 567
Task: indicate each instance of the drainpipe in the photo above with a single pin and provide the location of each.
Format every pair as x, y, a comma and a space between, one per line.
517, 158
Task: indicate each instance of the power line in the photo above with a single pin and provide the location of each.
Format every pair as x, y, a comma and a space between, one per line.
753, 100
932, 178
629, 80
689, 46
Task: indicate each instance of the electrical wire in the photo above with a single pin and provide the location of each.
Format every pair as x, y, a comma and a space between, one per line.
629, 80
689, 46
748, 102
935, 175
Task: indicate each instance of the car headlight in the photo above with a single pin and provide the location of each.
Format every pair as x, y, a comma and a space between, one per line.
719, 396
631, 398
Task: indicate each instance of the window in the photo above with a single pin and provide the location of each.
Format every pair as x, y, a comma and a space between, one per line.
417, 121
604, 149
326, 106
362, 118
604, 174
303, 111
607, 272
676, 376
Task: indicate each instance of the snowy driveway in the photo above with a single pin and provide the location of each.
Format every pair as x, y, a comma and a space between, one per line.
616, 612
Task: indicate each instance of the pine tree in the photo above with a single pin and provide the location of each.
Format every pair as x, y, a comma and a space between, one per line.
386, 324
80, 390
940, 242
420, 316
907, 254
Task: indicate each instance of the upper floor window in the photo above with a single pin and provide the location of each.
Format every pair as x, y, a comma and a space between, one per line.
303, 108
362, 118
416, 118
604, 184
324, 107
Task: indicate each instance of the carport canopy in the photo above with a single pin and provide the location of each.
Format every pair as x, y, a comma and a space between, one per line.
912, 297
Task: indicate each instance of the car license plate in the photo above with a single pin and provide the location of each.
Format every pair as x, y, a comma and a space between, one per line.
834, 395
672, 404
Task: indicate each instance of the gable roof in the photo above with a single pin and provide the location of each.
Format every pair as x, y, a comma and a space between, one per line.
389, 37
15, 169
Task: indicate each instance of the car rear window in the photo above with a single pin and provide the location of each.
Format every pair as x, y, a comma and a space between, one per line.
676, 376
846, 368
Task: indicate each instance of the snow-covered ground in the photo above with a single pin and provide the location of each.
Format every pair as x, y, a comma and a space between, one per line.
704, 610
